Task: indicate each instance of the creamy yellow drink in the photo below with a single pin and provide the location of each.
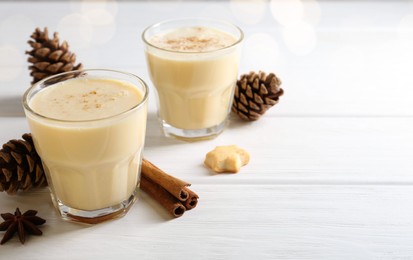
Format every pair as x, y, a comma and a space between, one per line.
194, 70
89, 133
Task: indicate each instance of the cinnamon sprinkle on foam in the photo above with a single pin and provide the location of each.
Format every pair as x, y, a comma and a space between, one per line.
193, 39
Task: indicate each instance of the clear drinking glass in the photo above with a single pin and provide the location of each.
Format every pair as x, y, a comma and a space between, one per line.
194, 86
92, 166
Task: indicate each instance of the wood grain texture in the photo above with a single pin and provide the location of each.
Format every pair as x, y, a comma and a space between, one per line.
264, 221
330, 175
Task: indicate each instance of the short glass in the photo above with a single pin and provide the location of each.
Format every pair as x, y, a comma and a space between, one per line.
194, 87
92, 166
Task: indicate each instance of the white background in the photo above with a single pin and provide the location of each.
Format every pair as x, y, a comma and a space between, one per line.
330, 175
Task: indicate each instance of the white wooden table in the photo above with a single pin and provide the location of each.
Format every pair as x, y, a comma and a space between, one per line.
331, 173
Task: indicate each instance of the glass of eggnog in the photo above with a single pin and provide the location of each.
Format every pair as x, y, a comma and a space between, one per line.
88, 128
193, 64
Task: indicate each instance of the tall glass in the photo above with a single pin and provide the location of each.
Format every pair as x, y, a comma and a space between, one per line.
91, 161
193, 64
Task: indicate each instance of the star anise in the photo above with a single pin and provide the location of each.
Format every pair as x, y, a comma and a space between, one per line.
20, 223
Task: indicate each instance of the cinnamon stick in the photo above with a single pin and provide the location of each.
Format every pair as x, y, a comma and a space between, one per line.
173, 185
169, 202
192, 200
172, 193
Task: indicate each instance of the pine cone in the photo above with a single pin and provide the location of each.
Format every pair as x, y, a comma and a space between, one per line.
20, 166
48, 56
255, 93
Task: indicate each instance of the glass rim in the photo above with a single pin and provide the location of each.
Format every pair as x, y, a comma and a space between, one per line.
223, 22
33, 87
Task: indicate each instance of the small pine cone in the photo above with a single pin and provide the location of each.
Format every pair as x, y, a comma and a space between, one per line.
20, 166
48, 56
255, 93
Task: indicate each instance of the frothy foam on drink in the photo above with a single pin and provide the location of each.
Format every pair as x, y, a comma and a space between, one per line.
86, 99
194, 85
92, 165
193, 39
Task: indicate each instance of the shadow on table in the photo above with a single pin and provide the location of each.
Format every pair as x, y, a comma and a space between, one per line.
154, 212
235, 121
154, 135
40, 201
11, 106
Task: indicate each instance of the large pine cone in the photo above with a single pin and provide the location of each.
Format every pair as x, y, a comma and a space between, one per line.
48, 56
20, 166
255, 93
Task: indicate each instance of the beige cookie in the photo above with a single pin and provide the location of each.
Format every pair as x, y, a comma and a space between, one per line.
228, 158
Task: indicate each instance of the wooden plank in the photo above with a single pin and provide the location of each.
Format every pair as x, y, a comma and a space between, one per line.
239, 222
358, 66
291, 150
298, 150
